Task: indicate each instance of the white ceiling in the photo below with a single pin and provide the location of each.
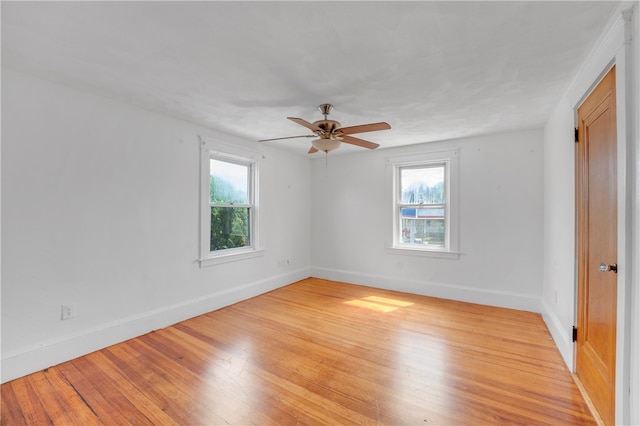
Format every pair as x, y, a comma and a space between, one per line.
432, 70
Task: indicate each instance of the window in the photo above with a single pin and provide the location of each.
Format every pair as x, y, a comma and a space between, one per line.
424, 192
229, 206
422, 204
230, 203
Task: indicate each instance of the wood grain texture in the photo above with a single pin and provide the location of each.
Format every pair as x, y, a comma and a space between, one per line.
316, 352
596, 238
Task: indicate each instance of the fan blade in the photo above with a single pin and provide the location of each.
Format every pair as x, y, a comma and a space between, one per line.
359, 142
312, 150
306, 124
288, 137
364, 128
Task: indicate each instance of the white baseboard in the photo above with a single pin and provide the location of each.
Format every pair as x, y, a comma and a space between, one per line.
561, 336
38, 357
523, 302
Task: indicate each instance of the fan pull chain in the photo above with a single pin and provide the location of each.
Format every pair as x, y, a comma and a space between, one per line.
326, 165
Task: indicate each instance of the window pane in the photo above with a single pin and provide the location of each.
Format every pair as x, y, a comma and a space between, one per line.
422, 185
423, 226
229, 228
228, 182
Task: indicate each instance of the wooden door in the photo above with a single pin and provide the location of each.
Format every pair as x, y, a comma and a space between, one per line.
597, 246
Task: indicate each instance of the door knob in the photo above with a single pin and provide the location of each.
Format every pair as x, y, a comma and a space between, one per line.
605, 268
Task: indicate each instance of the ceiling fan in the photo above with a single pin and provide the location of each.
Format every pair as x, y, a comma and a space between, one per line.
330, 135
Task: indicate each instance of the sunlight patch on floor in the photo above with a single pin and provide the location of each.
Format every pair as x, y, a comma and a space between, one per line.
378, 304
388, 301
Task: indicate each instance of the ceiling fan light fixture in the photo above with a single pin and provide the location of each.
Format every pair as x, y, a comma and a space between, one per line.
325, 145
331, 134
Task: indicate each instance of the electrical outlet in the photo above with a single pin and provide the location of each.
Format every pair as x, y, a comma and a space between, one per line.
283, 263
68, 311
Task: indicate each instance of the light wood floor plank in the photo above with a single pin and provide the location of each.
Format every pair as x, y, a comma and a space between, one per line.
316, 352
10, 407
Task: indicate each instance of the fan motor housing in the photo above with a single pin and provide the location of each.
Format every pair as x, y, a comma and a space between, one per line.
328, 125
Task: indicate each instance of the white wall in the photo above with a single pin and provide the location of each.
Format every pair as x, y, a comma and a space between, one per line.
100, 208
500, 228
558, 288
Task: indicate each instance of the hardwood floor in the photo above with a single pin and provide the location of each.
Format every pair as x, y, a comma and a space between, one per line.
316, 352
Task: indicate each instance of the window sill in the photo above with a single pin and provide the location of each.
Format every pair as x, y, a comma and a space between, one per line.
230, 257
436, 253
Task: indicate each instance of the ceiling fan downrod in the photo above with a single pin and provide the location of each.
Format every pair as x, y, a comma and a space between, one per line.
325, 109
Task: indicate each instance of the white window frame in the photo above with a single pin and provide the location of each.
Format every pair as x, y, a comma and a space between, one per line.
452, 220
232, 154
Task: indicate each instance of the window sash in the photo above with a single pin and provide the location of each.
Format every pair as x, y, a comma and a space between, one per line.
423, 165
412, 243
249, 206
240, 206
399, 205
421, 205
230, 242
250, 175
